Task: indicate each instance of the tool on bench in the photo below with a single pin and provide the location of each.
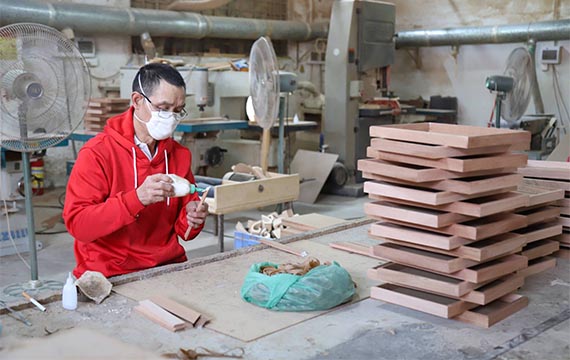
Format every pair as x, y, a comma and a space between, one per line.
16, 315
282, 247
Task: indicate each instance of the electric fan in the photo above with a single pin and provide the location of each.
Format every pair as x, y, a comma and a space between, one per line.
513, 87
44, 93
264, 90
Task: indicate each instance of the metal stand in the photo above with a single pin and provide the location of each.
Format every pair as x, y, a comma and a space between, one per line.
499, 101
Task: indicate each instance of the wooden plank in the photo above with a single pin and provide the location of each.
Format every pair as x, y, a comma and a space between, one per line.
419, 300
537, 266
420, 279
460, 136
540, 231
469, 186
312, 165
421, 258
540, 249
548, 184
488, 315
482, 250
477, 229
462, 165
176, 308
160, 316
546, 170
538, 195
417, 215
417, 236
494, 290
431, 151
311, 221
538, 215
477, 207
355, 248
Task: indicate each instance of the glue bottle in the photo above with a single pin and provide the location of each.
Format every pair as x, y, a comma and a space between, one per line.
69, 295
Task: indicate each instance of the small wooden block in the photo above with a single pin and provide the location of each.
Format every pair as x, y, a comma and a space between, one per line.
176, 308
410, 214
537, 266
160, 316
488, 315
540, 249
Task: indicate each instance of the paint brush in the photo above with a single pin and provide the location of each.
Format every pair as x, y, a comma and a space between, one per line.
33, 301
202, 199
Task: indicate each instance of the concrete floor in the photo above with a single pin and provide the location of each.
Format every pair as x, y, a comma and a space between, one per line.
368, 329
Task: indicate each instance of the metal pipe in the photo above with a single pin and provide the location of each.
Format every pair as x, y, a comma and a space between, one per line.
94, 19
538, 31
535, 89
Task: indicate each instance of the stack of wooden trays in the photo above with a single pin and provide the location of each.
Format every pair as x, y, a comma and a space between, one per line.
552, 177
445, 196
101, 109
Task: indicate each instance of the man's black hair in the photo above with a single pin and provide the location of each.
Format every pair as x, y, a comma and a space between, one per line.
151, 74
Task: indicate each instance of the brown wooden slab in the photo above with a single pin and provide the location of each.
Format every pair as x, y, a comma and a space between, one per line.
176, 308
420, 300
431, 151
540, 249
477, 229
540, 214
417, 236
477, 207
460, 136
537, 266
420, 279
421, 258
540, 231
462, 165
469, 186
488, 315
546, 170
417, 215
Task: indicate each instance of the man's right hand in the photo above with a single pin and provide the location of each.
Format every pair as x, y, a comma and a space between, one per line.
155, 188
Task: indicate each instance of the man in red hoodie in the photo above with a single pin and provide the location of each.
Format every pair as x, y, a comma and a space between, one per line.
119, 205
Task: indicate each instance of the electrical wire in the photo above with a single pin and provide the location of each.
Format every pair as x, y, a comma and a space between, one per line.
559, 98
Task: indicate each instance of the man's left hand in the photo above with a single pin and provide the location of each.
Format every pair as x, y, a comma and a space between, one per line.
194, 215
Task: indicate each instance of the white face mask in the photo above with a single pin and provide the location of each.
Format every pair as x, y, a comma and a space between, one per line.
161, 124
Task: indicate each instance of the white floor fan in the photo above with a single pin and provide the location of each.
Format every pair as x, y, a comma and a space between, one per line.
44, 93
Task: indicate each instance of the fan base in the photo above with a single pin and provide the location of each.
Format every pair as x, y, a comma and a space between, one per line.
32, 287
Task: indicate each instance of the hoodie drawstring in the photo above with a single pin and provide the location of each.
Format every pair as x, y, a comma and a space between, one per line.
166, 161
135, 166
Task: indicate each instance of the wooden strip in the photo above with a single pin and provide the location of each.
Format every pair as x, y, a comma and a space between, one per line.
538, 215
417, 236
419, 300
537, 266
417, 215
176, 308
540, 249
431, 151
488, 315
478, 207
421, 258
540, 231
548, 184
160, 316
469, 186
462, 165
460, 136
355, 248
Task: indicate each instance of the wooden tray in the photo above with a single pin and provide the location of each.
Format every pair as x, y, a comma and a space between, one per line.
537, 266
412, 193
462, 165
420, 258
494, 290
460, 136
537, 195
468, 186
540, 249
431, 151
417, 215
546, 170
417, 236
488, 315
420, 300
477, 229
548, 184
541, 214
540, 231
477, 207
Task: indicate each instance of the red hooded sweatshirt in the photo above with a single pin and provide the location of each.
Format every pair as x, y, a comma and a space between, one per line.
114, 232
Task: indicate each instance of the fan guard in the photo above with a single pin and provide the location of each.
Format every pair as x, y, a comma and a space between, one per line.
264, 82
519, 67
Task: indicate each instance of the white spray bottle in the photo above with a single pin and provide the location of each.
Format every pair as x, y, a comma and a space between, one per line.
69, 295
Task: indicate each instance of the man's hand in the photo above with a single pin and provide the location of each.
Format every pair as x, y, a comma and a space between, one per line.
194, 215
155, 188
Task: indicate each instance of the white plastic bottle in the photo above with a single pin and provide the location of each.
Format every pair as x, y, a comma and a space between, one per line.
69, 295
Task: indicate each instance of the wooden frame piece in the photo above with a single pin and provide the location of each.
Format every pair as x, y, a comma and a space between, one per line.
540, 249
563, 253
546, 170
563, 238
494, 290
411, 193
477, 229
564, 202
464, 164
421, 258
431, 151
537, 266
548, 184
417, 236
460, 136
564, 210
420, 300
540, 231
417, 215
538, 195
467, 186
564, 221
538, 215
488, 315
355, 248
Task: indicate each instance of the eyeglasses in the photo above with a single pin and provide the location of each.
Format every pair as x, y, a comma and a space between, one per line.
165, 114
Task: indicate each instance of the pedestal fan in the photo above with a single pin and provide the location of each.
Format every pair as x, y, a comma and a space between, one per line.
44, 93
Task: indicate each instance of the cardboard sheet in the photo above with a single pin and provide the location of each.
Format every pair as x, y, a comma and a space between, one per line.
214, 289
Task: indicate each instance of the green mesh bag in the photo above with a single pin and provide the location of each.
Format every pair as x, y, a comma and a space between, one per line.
322, 288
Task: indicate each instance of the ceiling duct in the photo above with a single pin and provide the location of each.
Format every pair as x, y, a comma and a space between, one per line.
197, 5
